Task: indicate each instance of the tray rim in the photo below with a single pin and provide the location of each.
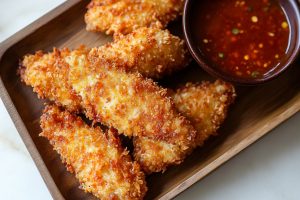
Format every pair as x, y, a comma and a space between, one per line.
35, 154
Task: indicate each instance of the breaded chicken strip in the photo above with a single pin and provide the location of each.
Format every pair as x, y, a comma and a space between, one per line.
132, 104
48, 75
205, 105
126, 101
125, 16
152, 52
98, 160
145, 150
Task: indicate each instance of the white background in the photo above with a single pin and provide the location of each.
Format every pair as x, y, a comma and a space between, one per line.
268, 170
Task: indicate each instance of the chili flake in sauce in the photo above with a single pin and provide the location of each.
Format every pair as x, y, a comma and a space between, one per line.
244, 38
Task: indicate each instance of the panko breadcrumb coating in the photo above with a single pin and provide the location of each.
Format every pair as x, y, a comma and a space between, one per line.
156, 150
48, 75
125, 16
98, 82
132, 104
205, 105
135, 106
98, 160
152, 52
155, 155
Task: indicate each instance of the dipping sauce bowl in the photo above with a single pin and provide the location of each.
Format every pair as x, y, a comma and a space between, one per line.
244, 42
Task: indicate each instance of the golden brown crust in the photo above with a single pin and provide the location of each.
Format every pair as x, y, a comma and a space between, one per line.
134, 105
100, 81
205, 105
152, 52
125, 16
48, 75
97, 73
98, 160
156, 155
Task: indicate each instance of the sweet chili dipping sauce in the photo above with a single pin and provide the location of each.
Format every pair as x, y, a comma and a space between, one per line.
245, 38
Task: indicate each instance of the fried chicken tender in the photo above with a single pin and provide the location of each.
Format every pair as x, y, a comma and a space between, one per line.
205, 105
132, 104
152, 52
48, 75
98, 160
135, 106
125, 16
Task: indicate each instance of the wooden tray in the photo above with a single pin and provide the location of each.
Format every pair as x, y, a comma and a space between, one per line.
257, 109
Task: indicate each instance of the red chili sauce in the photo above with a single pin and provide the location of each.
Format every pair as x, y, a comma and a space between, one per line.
246, 39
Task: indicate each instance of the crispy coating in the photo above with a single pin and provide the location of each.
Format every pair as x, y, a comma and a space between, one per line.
98, 160
48, 75
132, 104
126, 101
156, 155
152, 52
205, 105
125, 16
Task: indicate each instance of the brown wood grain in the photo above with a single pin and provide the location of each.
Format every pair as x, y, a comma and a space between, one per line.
257, 110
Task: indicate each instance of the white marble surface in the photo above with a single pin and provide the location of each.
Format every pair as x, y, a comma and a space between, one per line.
268, 170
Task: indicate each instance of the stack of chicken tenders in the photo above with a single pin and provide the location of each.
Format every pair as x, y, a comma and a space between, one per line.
114, 85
